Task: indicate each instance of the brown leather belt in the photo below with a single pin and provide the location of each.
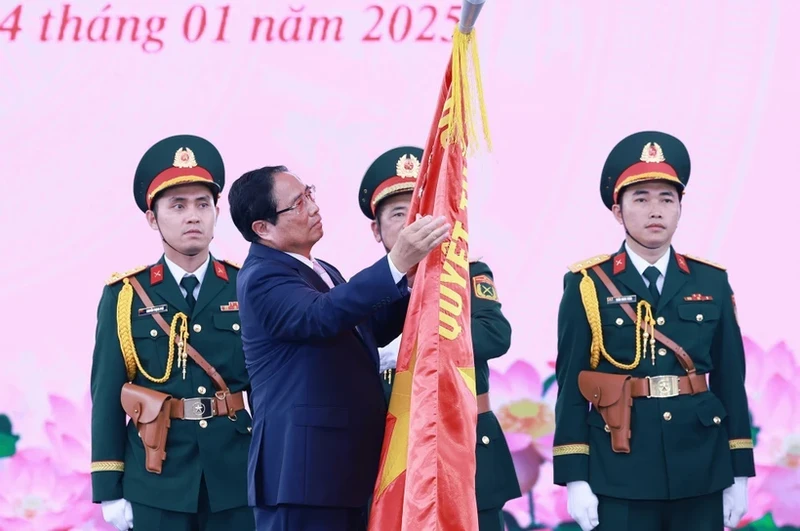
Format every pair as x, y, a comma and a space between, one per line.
206, 407
668, 386
483, 403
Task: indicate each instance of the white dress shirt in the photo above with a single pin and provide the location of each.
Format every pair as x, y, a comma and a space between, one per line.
178, 273
641, 264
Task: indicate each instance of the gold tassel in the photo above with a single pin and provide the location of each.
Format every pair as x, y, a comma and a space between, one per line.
124, 305
126, 343
592, 307
649, 332
460, 122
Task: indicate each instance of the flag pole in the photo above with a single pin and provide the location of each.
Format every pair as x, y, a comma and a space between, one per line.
470, 9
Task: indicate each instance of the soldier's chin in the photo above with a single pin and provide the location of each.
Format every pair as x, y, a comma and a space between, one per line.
192, 249
655, 241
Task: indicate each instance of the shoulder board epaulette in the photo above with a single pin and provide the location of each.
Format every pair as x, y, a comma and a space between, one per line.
231, 263
116, 277
577, 267
704, 261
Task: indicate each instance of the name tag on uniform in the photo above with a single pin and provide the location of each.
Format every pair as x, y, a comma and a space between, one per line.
232, 306
161, 308
625, 299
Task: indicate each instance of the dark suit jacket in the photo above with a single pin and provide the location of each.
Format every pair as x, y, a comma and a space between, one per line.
311, 353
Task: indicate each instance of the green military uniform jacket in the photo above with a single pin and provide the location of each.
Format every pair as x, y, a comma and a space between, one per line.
681, 446
496, 480
216, 448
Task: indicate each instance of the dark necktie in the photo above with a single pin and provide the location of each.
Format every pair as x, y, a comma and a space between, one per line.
189, 283
651, 274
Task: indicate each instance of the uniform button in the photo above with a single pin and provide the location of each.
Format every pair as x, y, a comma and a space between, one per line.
608, 430
699, 317
661, 321
201, 390
667, 415
249, 429
203, 423
236, 326
153, 332
662, 352
620, 321
717, 420
197, 328
485, 439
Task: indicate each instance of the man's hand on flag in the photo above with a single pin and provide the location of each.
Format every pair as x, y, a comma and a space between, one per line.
417, 240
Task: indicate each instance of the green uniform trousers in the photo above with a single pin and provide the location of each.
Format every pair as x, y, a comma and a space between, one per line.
703, 513
491, 520
146, 518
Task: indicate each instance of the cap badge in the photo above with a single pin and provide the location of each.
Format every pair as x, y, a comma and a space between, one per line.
652, 153
408, 166
184, 158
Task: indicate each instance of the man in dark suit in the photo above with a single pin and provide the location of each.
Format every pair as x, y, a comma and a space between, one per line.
310, 342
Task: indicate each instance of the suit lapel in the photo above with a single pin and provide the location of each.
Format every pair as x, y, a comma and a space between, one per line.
673, 282
332, 273
337, 279
210, 287
306, 272
315, 280
313, 277
168, 290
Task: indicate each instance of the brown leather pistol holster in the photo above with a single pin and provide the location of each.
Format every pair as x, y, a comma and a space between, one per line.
610, 394
149, 410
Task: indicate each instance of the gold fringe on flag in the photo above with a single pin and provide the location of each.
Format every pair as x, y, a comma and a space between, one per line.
461, 123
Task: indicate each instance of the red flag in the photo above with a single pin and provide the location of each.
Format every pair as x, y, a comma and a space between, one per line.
427, 473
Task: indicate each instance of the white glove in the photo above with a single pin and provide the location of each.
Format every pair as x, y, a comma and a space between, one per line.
734, 502
118, 513
582, 505
388, 354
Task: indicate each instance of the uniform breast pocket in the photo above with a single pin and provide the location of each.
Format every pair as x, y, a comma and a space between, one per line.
699, 320
228, 322
618, 333
227, 342
151, 344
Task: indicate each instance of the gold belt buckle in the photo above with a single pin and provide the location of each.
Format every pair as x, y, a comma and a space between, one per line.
663, 386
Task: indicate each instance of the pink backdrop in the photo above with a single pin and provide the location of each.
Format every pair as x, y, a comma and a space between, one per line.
563, 81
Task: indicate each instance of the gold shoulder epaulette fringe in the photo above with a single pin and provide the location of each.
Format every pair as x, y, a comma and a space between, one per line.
116, 277
704, 261
577, 267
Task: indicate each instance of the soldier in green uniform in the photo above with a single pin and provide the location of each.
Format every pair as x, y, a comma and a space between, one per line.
200, 482
385, 197
650, 339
